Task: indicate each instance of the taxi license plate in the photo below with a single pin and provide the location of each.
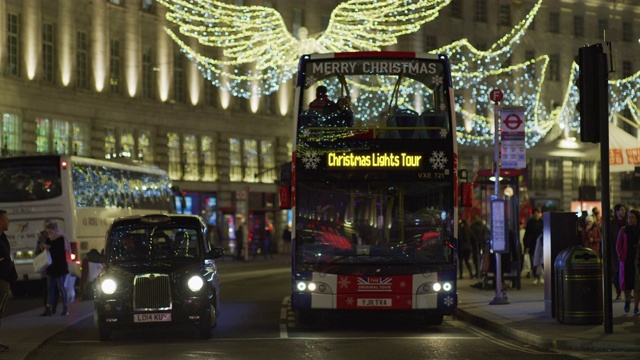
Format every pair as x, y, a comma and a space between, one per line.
153, 317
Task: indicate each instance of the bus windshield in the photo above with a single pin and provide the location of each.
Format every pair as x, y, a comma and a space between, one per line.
29, 179
374, 223
394, 96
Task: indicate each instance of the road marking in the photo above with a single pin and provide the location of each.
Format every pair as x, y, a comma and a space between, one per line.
284, 331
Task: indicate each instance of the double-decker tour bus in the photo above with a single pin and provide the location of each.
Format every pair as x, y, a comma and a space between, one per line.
373, 185
82, 195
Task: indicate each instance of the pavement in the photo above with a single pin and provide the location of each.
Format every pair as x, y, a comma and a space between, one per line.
525, 317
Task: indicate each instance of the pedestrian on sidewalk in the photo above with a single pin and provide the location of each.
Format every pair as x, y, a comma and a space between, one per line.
618, 221
464, 247
6, 266
591, 235
626, 248
57, 272
533, 230
480, 235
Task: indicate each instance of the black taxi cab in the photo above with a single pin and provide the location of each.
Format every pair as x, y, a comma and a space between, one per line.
159, 270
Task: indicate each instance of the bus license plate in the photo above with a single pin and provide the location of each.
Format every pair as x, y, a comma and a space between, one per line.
154, 317
374, 302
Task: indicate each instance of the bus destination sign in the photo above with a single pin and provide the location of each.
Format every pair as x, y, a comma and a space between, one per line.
400, 161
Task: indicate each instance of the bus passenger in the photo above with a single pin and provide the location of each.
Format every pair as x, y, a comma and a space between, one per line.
322, 101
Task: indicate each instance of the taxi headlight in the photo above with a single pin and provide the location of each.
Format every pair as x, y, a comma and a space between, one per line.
109, 286
195, 283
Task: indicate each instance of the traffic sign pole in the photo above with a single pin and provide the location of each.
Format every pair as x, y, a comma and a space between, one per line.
496, 95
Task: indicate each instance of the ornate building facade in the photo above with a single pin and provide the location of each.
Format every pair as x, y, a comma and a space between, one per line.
101, 78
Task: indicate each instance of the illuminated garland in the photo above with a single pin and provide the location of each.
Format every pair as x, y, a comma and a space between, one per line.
258, 55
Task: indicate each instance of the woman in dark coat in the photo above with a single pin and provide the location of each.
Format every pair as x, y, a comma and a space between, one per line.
58, 271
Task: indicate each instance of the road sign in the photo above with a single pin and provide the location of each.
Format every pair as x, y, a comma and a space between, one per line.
513, 136
512, 123
496, 95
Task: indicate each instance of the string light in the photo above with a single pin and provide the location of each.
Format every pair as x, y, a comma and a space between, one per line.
258, 54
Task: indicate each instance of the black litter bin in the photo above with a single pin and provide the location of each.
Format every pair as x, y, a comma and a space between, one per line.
578, 281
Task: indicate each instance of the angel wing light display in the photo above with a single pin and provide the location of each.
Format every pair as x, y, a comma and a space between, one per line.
255, 51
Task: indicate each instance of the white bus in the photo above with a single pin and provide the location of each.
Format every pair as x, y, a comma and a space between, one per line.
82, 195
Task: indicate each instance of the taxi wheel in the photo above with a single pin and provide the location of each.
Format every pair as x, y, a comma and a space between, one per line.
105, 334
205, 325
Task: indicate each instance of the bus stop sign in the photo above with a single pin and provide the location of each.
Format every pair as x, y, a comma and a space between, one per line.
499, 243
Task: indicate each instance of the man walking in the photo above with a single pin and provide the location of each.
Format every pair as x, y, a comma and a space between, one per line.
5, 266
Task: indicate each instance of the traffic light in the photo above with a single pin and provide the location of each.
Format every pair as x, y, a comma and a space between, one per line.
594, 92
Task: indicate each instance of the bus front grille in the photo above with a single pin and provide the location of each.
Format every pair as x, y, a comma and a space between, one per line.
151, 292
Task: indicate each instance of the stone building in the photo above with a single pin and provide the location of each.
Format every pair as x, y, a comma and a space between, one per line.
101, 78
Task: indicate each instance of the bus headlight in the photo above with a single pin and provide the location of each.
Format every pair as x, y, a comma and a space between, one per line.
195, 283
310, 286
108, 286
437, 287
447, 286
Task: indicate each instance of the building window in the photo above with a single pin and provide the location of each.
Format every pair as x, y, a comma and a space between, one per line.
82, 60
145, 147
147, 5
48, 56
209, 171
298, 22
79, 137
531, 68
430, 42
210, 94
110, 146
114, 66
268, 169
554, 22
269, 103
191, 161
61, 137
603, 25
127, 144
627, 69
147, 73
175, 156
251, 163
505, 15
235, 160
178, 77
554, 67
12, 44
627, 31
11, 126
578, 26
117, 2
456, 9
481, 11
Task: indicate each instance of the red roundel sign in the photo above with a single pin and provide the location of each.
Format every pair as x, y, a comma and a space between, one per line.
496, 95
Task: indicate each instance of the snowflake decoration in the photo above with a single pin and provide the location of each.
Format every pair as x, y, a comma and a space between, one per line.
350, 300
403, 284
443, 106
311, 160
344, 283
438, 160
310, 81
437, 80
443, 133
448, 301
305, 133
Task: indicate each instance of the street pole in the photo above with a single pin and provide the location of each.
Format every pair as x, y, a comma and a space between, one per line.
496, 96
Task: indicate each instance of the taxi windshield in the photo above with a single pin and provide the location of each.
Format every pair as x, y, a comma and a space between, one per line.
130, 243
